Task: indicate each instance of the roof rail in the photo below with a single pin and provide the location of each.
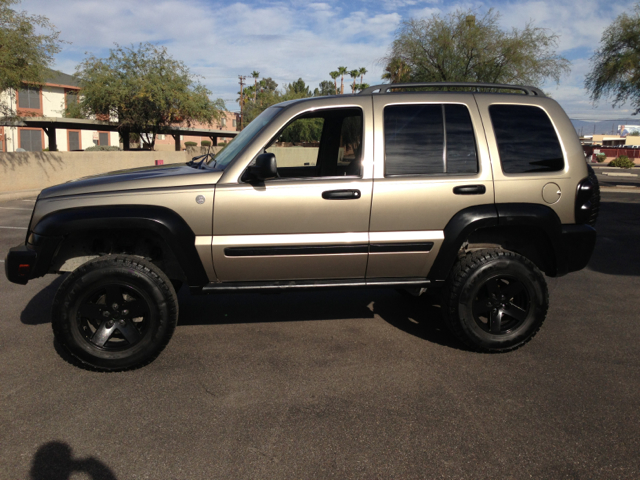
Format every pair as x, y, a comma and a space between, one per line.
385, 88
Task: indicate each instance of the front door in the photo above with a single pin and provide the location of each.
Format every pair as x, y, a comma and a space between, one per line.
310, 223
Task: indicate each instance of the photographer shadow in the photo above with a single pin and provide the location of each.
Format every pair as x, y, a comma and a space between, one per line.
54, 461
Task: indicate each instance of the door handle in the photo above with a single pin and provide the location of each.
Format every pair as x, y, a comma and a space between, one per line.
341, 194
469, 190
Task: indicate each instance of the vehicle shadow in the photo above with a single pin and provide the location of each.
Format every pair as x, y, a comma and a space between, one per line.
418, 316
616, 251
38, 310
54, 461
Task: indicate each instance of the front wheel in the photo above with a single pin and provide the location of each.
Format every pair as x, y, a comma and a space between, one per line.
115, 313
495, 300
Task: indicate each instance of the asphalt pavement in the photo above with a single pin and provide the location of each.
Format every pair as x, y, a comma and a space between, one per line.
335, 384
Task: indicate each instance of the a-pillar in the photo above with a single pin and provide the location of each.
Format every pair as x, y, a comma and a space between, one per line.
51, 134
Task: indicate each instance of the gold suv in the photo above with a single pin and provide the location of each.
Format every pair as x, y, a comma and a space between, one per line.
475, 189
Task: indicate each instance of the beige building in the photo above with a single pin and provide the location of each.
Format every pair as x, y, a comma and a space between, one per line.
49, 101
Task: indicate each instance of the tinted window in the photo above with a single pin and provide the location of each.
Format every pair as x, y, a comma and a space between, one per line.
31, 140
429, 139
103, 139
413, 139
527, 141
461, 142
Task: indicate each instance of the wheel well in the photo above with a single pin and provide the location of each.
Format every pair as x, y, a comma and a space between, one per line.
79, 248
530, 242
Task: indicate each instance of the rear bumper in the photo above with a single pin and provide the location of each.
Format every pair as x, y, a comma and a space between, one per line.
578, 242
31, 260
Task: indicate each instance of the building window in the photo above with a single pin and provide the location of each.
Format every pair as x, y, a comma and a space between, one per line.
71, 97
74, 140
235, 123
29, 97
103, 138
223, 122
31, 140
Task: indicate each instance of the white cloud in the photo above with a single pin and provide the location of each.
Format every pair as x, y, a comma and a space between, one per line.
287, 40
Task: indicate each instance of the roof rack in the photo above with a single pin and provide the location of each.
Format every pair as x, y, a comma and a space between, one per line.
385, 88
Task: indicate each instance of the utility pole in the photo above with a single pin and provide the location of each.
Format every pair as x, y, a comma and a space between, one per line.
242, 79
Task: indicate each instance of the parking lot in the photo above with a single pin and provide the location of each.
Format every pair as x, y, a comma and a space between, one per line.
335, 384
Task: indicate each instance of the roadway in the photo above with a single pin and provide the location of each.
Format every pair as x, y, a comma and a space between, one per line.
346, 384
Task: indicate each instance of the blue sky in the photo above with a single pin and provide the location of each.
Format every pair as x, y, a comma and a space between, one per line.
287, 40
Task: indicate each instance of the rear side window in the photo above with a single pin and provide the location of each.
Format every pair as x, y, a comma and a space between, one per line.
527, 141
429, 140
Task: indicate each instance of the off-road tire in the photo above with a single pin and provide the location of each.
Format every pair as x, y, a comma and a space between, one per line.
114, 313
468, 292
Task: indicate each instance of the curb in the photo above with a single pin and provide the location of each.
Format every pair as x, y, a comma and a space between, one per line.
19, 194
620, 189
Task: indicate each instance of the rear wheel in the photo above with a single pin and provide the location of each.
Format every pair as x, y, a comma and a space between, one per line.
115, 313
495, 300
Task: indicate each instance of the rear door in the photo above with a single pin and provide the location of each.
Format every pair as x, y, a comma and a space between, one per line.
431, 161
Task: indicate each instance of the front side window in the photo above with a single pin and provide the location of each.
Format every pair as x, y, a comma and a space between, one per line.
327, 143
29, 98
527, 141
429, 140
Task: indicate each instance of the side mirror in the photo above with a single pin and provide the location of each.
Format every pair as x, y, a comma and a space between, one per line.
265, 167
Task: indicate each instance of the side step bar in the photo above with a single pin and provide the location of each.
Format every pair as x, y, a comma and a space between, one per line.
281, 286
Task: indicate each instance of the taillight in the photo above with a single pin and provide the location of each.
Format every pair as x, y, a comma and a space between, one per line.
588, 200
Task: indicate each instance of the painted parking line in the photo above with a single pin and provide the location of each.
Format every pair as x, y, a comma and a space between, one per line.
16, 208
15, 228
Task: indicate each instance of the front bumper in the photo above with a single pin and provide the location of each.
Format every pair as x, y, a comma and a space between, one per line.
31, 260
578, 243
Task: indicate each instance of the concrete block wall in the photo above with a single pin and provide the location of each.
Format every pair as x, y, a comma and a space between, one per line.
38, 170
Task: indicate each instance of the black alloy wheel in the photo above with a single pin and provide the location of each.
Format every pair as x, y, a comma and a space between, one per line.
115, 316
501, 305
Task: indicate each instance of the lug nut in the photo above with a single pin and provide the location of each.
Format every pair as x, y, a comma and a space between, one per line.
115, 306
110, 324
121, 322
105, 314
125, 312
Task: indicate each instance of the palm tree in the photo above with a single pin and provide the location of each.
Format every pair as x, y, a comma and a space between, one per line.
335, 75
354, 74
342, 71
396, 71
363, 72
255, 76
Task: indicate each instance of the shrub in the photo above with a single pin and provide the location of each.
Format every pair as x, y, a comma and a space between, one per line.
103, 148
601, 157
190, 144
622, 162
205, 143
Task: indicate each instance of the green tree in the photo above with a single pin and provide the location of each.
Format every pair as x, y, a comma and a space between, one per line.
354, 74
460, 48
342, 71
362, 71
615, 66
396, 71
334, 75
144, 89
28, 44
325, 88
255, 76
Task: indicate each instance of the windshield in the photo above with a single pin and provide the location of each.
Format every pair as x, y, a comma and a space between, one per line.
223, 159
